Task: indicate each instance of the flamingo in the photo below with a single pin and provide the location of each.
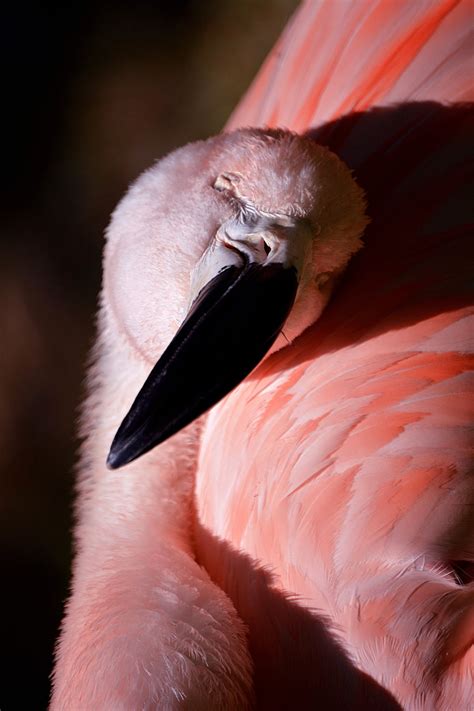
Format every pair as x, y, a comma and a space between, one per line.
309, 542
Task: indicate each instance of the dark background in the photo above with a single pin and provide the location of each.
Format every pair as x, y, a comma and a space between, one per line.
91, 95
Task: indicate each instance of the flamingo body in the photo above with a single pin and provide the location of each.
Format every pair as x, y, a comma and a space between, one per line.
343, 464
310, 542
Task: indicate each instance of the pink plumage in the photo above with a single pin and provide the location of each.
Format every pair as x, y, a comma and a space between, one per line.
329, 496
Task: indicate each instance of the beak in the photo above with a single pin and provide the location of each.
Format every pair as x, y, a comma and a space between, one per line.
239, 311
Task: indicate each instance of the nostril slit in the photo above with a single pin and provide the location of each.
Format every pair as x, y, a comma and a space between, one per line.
266, 247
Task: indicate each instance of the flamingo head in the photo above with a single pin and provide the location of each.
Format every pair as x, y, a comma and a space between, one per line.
225, 251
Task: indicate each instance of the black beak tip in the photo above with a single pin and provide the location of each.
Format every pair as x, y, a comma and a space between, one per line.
114, 460
231, 325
